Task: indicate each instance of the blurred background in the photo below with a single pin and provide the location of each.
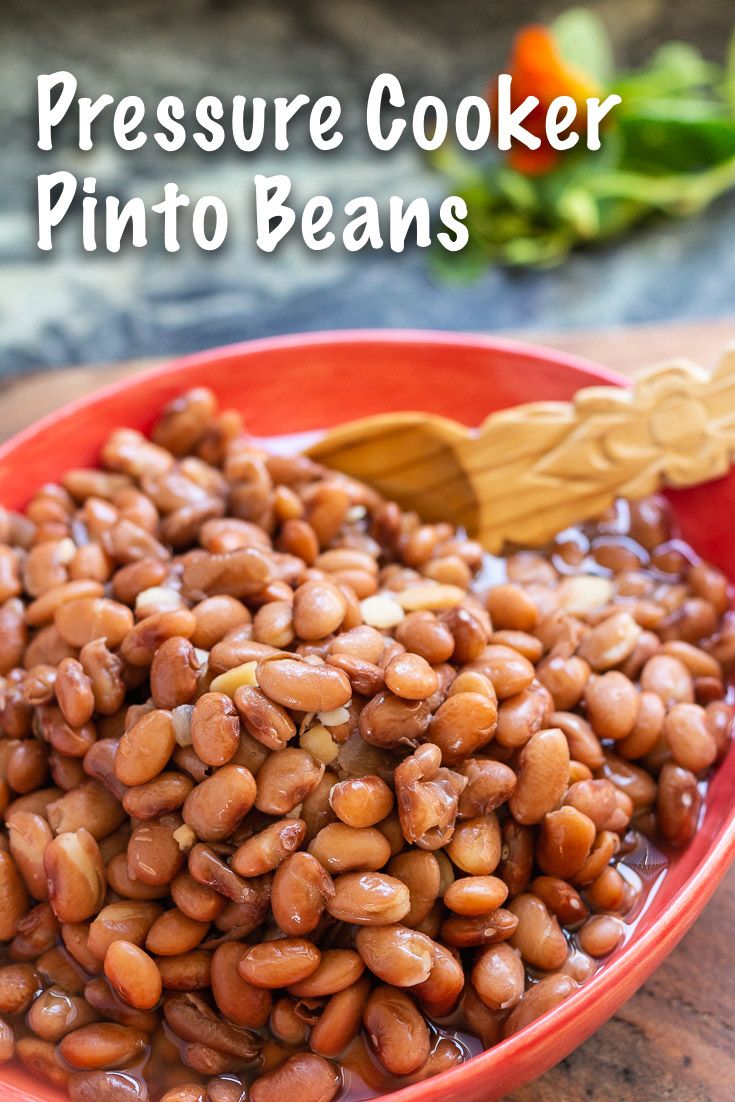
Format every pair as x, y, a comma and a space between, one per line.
68, 307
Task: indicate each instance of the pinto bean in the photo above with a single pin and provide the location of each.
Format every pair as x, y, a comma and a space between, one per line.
361, 801
537, 936
285, 779
165, 793
76, 875
133, 975
678, 804
522, 715
389, 722
594, 798
154, 856
104, 670
303, 686
538, 1000
90, 805
144, 750
267, 849
175, 673
239, 1001
314, 1078
475, 845
267, 722
29, 835
397, 1031
340, 848
600, 935
102, 1045
74, 692
369, 899
186, 971
668, 678
542, 776
81, 621
693, 744
140, 645
340, 1019
300, 892
214, 808
191, 1019
463, 931
338, 969
612, 705
560, 898
564, 843
498, 976
489, 784
509, 671
396, 954
279, 963
462, 724
18, 986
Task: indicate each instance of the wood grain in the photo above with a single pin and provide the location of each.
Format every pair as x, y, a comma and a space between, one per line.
674, 1041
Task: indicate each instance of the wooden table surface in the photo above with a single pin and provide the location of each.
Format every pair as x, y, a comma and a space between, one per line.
674, 1041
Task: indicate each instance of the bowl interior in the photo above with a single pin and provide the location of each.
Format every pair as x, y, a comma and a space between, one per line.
295, 384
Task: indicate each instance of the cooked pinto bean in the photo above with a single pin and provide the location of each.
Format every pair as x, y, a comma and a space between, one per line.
76, 876
175, 673
239, 1001
133, 974
678, 804
538, 1000
279, 963
300, 892
389, 722
397, 1031
191, 1019
537, 936
565, 840
302, 685
214, 808
369, 899
693, 744
312, 1077
396, 954
462, 931
498, 976
285, 779
102, 1045
144, 749
542, 776
612, 705
462, 724
361, 801
340, 848
267, 722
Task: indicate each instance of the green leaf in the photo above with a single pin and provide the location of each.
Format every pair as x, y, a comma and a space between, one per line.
658, 141
729, 82
578, 208
675, 69
582, 41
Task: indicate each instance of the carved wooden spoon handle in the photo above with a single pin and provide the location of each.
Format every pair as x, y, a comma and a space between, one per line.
534, 469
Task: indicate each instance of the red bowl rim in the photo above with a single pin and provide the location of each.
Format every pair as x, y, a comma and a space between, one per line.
428, 337
634, 962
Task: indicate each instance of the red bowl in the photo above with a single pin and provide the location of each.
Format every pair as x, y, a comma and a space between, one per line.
300, 383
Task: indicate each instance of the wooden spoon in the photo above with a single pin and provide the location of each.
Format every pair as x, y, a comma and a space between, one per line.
530, 471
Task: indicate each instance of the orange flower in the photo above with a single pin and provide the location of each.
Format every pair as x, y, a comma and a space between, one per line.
538, 70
